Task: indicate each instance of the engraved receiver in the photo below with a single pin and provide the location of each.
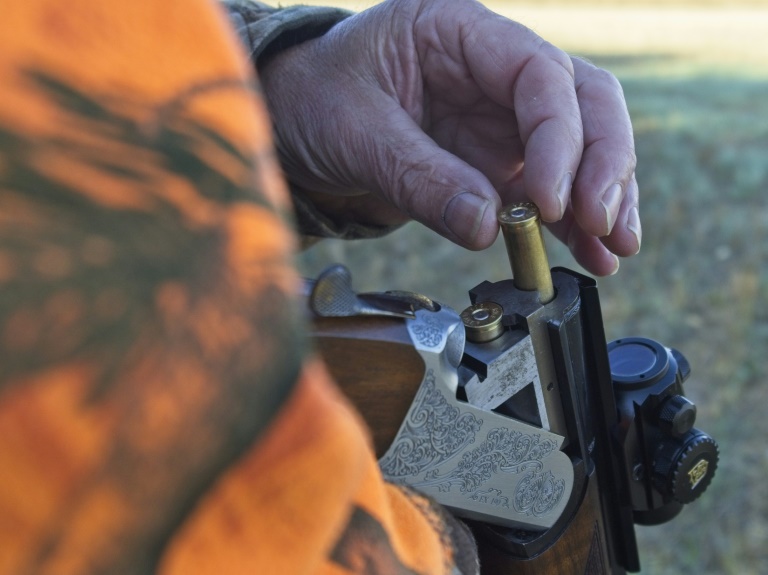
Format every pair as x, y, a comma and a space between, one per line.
516, 414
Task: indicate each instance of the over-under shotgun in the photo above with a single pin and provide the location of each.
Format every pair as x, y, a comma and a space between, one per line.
516, 414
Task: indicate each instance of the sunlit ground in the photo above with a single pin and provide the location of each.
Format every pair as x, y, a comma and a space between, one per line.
696, 81
723, 35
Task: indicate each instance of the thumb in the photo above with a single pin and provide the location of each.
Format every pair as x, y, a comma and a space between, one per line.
430, 184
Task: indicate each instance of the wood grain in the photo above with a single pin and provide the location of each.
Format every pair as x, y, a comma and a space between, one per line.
376, 366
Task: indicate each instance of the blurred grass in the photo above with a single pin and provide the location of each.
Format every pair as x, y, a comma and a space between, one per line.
696, 82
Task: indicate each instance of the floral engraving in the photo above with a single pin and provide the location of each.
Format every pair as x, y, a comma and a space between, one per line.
433, 433
427, 331
538, 493
503, 451
436, 432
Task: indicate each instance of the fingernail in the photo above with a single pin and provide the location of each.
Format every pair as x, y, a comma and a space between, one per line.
633, 225
464, 215
564, 192
616, 265
611, 202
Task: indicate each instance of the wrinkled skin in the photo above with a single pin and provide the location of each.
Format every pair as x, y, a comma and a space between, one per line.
442, 111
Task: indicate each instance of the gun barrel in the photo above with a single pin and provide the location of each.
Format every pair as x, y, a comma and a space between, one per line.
521, 226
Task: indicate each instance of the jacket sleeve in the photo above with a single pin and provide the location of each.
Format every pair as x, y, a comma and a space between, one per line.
265, 30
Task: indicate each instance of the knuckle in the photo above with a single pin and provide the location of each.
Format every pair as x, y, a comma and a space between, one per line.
632, 161
554, 54
609, 79
626, 158
587, 72
411, 186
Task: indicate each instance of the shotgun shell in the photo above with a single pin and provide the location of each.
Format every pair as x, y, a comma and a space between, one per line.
483, 322
521, 226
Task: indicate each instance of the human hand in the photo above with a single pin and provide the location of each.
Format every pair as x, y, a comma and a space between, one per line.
442, 111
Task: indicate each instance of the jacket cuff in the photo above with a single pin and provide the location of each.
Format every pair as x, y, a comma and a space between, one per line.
265, 30
314, 225
458, 543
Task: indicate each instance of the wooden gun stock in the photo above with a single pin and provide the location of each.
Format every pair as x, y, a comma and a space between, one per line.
376, 366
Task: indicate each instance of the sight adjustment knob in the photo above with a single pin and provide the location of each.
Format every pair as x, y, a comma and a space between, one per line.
677, 416
684, 468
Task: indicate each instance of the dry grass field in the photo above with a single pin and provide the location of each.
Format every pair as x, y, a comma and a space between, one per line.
695, 75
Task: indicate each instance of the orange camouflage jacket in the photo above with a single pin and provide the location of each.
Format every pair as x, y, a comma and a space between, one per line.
160, 410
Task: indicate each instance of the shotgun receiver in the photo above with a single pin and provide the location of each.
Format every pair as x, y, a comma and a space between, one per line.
516, 414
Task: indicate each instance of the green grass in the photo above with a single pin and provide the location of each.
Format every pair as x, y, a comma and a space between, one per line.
700, 285
699, 102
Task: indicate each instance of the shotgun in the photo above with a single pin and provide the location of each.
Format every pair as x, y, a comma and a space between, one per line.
516, 414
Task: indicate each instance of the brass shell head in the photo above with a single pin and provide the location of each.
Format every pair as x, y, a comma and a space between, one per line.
483, 322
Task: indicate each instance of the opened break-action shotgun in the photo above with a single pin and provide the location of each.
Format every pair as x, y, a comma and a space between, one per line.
516, 414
